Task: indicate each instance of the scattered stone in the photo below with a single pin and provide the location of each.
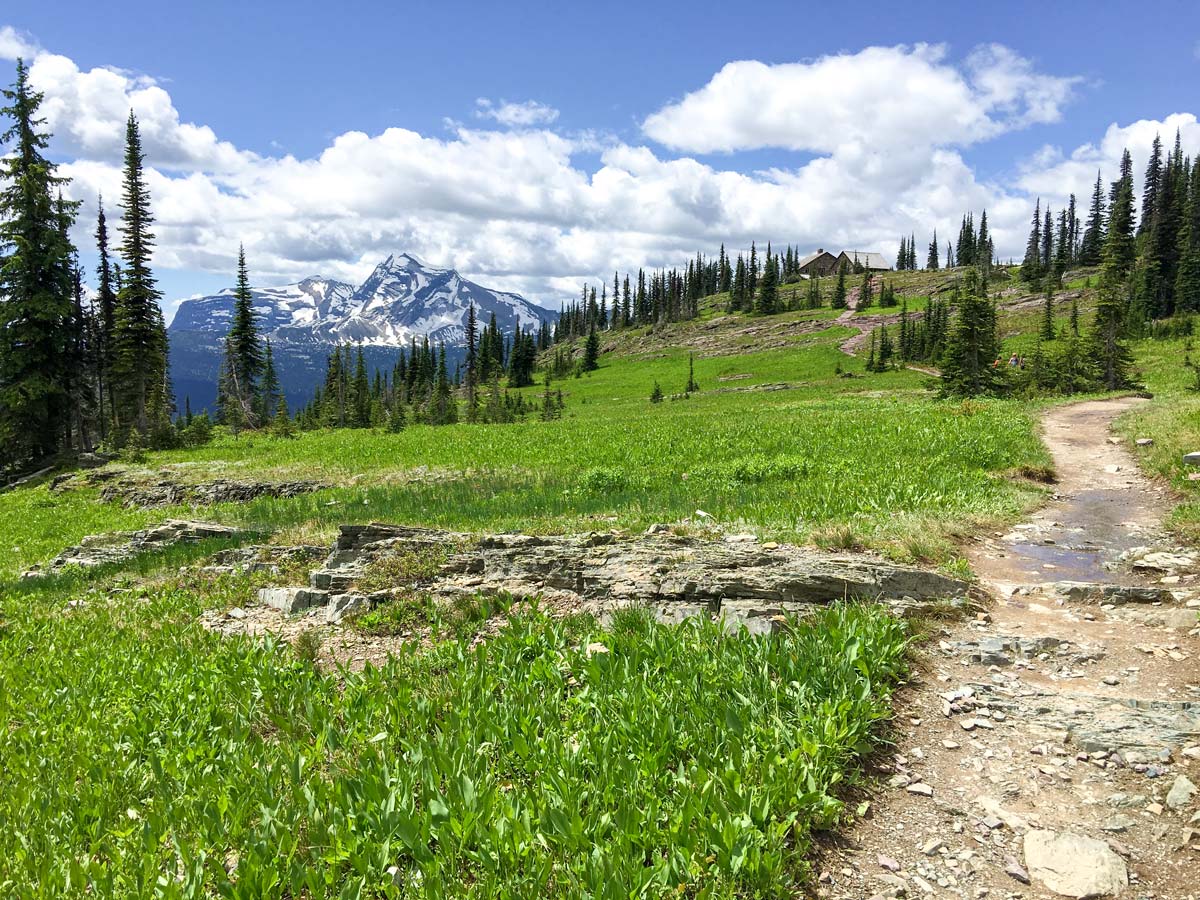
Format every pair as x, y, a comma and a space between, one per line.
1074, 865
1145, 442
1118, 823
1191, 459
888, 863
932, 847
920, 788
1014, 869
1181, 793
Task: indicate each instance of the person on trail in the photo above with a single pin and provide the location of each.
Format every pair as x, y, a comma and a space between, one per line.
1012, 360
996, 364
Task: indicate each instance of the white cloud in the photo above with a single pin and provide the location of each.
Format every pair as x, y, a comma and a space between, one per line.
1053, 174
516, 115
517, 208
14, 44
878, 97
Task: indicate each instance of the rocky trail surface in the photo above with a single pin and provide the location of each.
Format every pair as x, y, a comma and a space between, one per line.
1051, 746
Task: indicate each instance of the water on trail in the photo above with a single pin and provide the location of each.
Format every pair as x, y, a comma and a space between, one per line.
1104, 507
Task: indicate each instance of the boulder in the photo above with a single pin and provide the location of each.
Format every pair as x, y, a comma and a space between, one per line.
1191, 459
1074, 865
292, 599
342, 606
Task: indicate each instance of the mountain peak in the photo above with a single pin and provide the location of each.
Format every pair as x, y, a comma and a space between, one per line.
406, 261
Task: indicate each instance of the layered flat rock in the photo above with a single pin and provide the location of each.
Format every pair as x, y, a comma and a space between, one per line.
739, 578
121, 546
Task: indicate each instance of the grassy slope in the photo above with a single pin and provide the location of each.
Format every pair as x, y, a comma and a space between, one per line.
827, 450
144, 755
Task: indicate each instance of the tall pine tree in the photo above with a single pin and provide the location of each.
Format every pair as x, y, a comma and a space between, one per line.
36, 286
139, 334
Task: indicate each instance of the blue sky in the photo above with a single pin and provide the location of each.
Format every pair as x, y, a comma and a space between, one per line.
268, 81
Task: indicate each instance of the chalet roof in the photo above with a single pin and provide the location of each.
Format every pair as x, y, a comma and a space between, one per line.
868, 259
816, 254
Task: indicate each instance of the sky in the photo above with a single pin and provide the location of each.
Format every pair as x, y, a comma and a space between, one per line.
538, 146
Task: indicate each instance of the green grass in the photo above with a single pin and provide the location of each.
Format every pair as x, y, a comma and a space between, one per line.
827, 450
1172, 421
144, 756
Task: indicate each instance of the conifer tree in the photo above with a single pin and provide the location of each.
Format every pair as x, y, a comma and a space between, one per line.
768, 287
139, 335
271, 392
983, 245
968, 364
591, 352
813, 299
1187, 278
1047, 332
839, 288
361, 392
36, 286
1119, 251
931, 258
246, 364
1150, 186
106, 302
1092, 244
866, 294
1031, 265
472, 381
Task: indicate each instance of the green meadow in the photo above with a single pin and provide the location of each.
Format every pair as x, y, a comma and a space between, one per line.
144, 756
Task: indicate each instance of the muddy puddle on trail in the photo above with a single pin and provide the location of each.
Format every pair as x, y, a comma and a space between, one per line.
1079, 538
1105, 508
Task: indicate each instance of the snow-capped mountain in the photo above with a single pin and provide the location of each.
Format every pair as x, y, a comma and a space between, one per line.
402, 299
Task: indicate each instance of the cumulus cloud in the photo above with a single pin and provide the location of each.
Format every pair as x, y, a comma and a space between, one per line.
14, 44
516, 115
1053, 174
529, 209
880, 96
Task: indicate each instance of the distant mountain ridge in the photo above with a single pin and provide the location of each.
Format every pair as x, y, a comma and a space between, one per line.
402, 299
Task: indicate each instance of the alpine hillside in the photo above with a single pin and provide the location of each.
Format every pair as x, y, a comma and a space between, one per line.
402, 300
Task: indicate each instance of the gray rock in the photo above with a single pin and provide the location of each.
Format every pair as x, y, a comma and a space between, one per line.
122, 546
1074, 865
1119, 823
137, 494
1191, 459
1014, 869
1181, 793
744, 582
1100, 592
292, 599
343, 606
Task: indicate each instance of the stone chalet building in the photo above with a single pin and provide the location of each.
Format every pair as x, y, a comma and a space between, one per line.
822, 262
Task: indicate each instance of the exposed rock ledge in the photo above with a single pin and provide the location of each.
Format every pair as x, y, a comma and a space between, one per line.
738, 578
121, 546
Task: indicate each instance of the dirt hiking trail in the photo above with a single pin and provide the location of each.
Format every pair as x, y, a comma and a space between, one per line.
1050, 746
